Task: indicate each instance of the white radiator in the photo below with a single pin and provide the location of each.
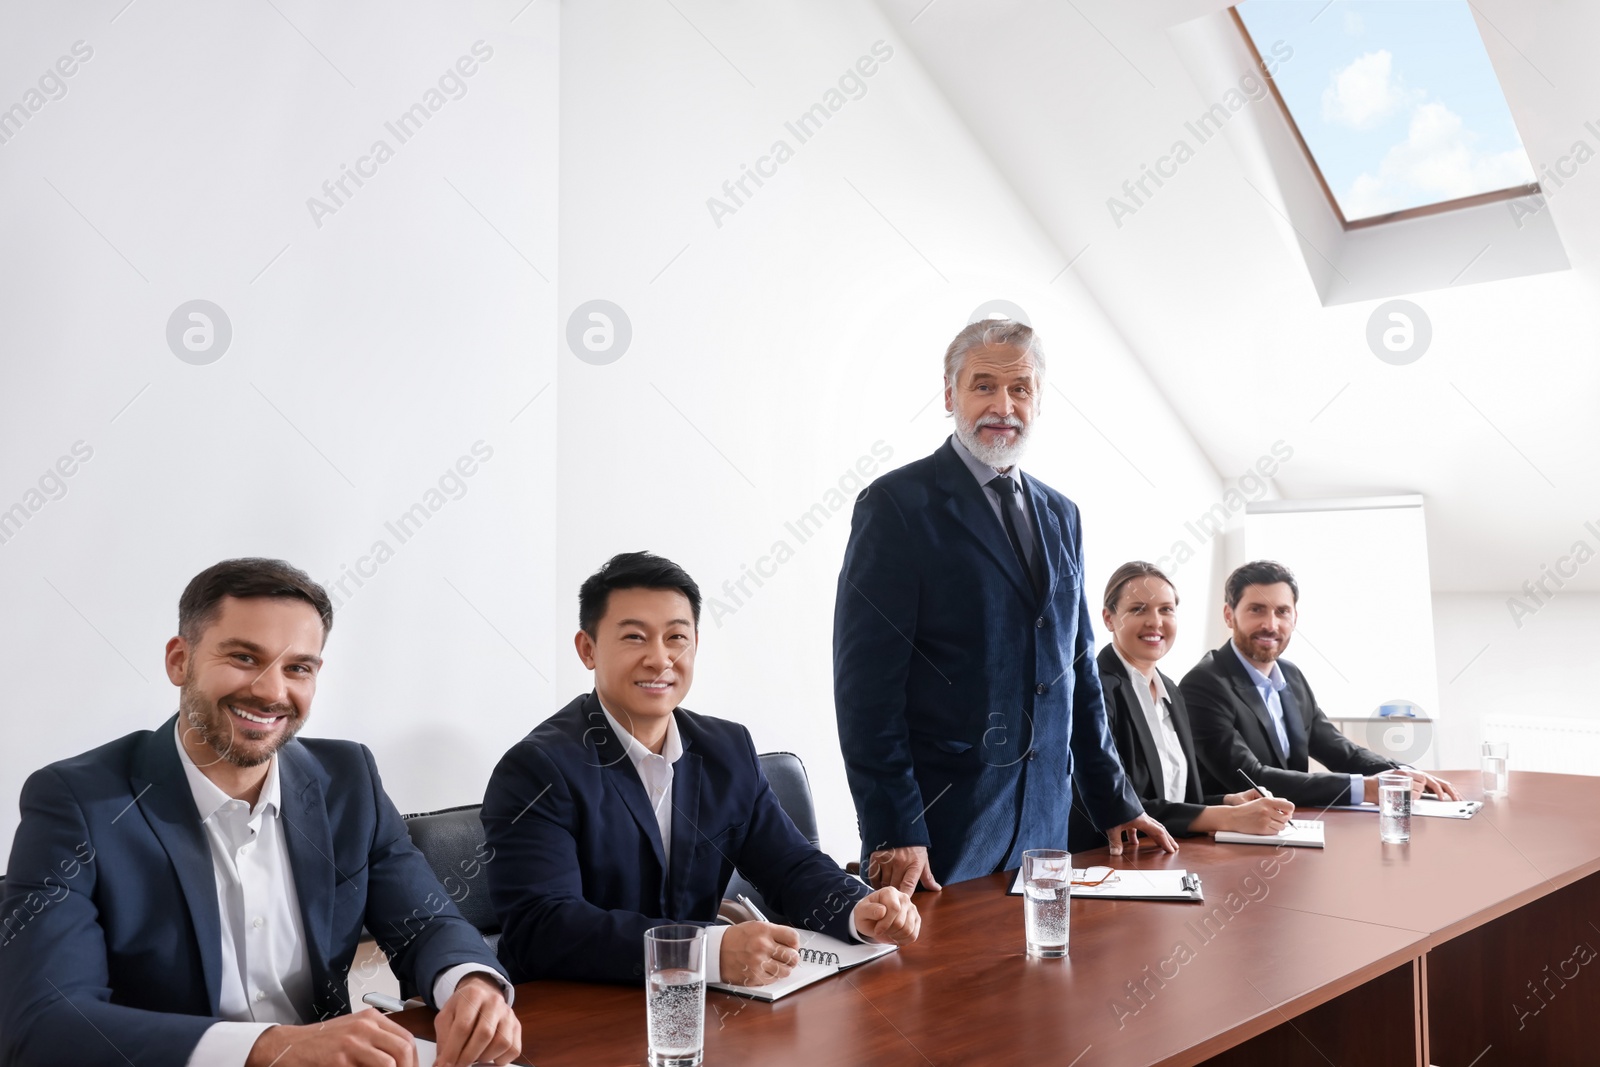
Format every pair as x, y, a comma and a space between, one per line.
1547, 743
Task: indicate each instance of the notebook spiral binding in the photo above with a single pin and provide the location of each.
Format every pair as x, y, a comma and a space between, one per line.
827, 959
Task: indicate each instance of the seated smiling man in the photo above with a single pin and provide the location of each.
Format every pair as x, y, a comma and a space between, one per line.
194, 894
624, 811
1255, 717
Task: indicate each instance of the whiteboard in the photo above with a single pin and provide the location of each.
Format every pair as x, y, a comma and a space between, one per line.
1365, 632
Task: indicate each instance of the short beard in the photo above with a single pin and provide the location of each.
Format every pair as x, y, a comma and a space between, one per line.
1250, 651
205, 720
998, 456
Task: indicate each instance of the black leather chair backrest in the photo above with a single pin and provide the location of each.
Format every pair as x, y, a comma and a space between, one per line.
787, 776
452, 842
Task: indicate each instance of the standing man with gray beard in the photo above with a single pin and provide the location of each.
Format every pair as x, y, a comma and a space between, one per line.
965, 686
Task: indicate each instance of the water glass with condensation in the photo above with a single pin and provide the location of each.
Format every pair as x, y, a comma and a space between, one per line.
675, 994
1394, 807
1496, 776
1046, 896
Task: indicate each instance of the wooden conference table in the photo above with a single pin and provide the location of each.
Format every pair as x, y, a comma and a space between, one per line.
1474, 944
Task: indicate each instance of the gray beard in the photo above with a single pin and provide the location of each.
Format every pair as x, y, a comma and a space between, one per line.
997, 456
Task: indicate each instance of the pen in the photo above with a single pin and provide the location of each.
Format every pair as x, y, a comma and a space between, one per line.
753, 909
1264, 792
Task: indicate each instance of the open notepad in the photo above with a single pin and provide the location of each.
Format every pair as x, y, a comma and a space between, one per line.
427, 1052
1128, 884
821, 957
1302, 833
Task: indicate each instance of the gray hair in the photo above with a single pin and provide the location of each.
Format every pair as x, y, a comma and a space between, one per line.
993, 333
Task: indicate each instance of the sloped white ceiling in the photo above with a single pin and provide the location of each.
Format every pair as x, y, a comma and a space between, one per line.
1495, 425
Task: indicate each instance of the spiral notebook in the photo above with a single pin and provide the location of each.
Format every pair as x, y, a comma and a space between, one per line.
821, 957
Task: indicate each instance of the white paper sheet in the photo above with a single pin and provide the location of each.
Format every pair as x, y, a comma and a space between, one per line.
427, 1052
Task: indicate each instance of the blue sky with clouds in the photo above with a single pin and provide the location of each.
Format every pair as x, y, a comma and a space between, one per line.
1396, 99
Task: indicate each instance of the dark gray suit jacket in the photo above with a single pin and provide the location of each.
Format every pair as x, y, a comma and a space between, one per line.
1233, 731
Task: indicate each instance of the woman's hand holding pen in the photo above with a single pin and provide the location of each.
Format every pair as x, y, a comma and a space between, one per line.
1263, 815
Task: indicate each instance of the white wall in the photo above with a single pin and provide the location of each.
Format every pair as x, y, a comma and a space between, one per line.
369, 356
769, 355
1356, 674
779, 347
1488, 664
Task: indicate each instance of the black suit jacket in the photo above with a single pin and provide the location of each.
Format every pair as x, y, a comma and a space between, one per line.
579, 873
1233, 731
1141, 759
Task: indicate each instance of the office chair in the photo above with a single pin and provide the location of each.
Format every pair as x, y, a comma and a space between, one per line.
787, 776
452, 841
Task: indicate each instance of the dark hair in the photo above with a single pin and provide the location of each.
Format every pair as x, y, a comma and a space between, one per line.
1127, 573
631, 570
1260, 572
246, 579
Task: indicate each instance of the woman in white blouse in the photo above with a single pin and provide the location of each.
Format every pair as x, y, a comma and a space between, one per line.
1149, 722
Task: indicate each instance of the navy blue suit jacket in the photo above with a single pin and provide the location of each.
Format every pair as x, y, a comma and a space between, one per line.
969, 705
578, 875
112, 944
1233, 730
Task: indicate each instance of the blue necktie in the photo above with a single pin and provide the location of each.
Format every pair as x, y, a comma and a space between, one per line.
1292, 726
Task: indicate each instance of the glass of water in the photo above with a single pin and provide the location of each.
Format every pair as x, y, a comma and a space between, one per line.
1046, 895
1496, 778
1394, 807
675, 994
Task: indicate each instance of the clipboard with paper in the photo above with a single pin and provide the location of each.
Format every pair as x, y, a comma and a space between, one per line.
1107, 883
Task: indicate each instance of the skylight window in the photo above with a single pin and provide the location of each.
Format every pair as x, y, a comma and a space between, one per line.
1395, 102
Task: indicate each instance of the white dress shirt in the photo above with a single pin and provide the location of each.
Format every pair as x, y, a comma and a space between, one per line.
266, 974
986, 474
1157, 708
656, 772
1269, 686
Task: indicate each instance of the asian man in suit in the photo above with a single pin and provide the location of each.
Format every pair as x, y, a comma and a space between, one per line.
1253, 711
625, 810
1150, 723
194, 894
964, 678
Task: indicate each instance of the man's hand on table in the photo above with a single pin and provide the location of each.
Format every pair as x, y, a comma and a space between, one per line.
1127, 835
887, 915
901, 868
1421, 782
476, 1025
758, 953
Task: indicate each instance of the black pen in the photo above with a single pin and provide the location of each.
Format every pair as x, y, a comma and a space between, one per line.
1265, 793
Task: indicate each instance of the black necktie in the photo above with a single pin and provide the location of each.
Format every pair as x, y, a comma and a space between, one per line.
1011, 515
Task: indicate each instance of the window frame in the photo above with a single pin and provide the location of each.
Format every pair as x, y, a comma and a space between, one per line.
1422, 211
